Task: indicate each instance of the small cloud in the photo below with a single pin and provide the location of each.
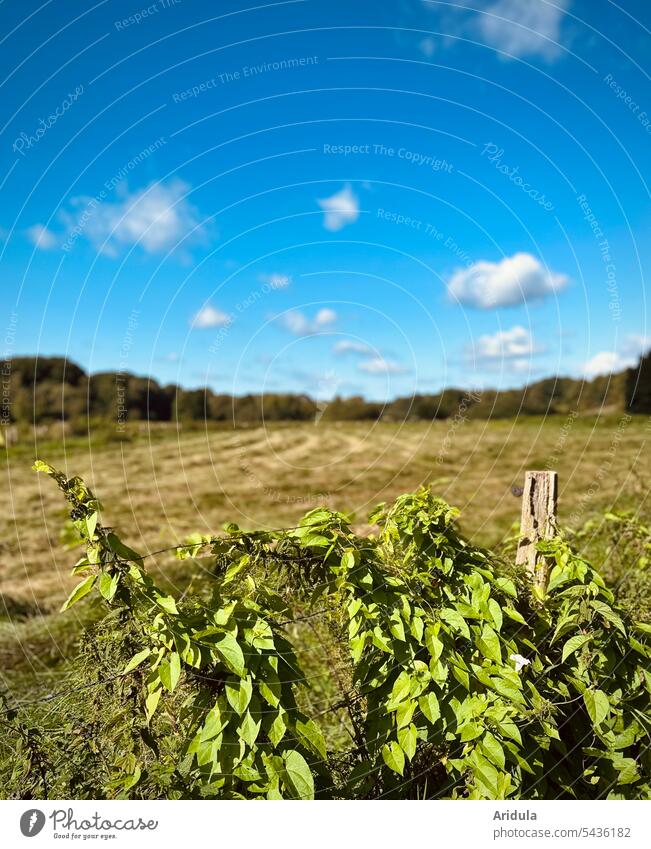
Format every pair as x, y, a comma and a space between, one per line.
156, 219
380, 366
607, 362
41, 237
209, 316
636, 345
325, 316
349, 346
531, 28
503, 345
428, 47
172, 357
340, 209
298, 324
514, 280
276, 281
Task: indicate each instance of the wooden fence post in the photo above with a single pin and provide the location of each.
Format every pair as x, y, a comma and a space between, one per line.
538, 522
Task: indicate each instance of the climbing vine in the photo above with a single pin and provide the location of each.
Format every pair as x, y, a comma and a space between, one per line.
455, 680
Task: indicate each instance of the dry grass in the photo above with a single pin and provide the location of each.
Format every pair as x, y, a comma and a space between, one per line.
159, 489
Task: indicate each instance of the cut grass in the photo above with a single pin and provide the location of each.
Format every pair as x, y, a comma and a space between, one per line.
158, 490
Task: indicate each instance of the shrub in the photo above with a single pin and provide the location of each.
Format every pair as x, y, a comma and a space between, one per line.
449, 676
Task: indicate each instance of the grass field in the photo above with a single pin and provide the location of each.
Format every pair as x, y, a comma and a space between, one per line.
161, 485
157, 487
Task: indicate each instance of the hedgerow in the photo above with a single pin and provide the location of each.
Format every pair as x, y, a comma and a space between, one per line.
443, 673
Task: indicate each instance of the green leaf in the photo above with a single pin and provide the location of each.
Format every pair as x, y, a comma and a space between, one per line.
213, 724
397, 628
40, 466
496, 613
609, 615
597, 704
348, 561
407, 738
489, 644
136, 660
132, 778
239, 694
270, 688
456, 621
298, 775
123, 551
405, 712
262, 637
249, 729
151, 703
170, 671
230, 654
433, 644
486, 776
315, 541
310, 733
429, 706
493, 750
394, 757
469, 731
514, 614
627, 769
277, 729
507, 587
574, 644
90, 523
507, 689
108, 584
167, 603
400, 690
508, 728
79, 591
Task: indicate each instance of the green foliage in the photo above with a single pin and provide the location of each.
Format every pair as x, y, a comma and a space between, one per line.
457, 682
621, 542
45, 389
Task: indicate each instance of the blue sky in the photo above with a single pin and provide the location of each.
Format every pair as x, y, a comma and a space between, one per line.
327, 197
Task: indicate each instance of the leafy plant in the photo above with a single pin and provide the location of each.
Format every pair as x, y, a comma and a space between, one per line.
451, 679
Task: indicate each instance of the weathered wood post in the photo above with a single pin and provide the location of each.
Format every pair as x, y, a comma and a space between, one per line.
539, 501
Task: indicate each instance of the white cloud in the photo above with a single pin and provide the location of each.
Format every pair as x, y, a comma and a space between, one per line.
276, 281
340, 209
349, 346
379, 366
299, 324
428, 47
156, 218
209, 316
325, 316
513, 280
519, 28
635, 345
504, 345
607, 362
41, 237
523, 27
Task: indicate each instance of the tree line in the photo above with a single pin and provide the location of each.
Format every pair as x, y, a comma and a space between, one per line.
44, 389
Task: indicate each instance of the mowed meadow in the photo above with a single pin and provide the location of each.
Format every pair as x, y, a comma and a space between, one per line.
159, 485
